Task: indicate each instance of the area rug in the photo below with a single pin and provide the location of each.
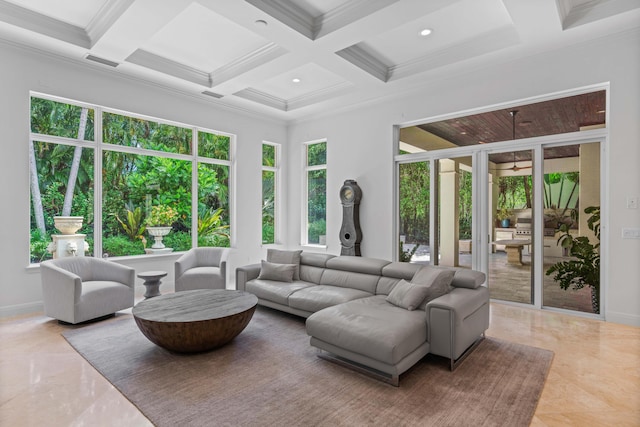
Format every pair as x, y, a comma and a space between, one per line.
269, 375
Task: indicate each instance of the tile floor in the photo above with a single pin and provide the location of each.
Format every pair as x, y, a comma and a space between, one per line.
594, 379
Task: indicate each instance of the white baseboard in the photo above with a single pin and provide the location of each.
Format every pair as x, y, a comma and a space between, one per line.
18, 309
624, 318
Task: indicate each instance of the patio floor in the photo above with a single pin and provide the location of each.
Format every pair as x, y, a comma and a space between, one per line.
509, 282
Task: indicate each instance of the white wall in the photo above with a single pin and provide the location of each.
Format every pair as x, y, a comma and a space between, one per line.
360, 147
24, 70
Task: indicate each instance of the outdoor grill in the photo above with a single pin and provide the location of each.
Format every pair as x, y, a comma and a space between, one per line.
523, 229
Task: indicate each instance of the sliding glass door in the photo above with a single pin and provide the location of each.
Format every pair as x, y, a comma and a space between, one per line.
510, 274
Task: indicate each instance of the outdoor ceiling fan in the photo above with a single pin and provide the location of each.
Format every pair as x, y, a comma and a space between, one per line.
515, 166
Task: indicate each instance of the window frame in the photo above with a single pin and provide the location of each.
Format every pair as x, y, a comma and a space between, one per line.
277, 188
99, 147
304, 241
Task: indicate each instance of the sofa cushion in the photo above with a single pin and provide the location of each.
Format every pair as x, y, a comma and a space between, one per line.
273, 291
437, 280
408, 295
466, 278
357, 264
400, 270
278, 272
315, 259
315, 298
349, 279
371, 327
285, 257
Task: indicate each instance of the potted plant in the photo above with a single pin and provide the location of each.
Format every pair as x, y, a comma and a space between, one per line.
159, 223
584, 269
504, 216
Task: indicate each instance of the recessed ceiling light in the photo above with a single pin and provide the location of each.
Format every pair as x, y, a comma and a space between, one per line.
261, 23
296, 80
425, 32
463, 133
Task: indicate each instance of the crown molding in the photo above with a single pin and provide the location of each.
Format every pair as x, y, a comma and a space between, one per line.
574, 16
108, 14
288, 13
345, 14
489, 42
246, 63
262, 98
318, 96
366, 62
163, 65
113, 73
42, 24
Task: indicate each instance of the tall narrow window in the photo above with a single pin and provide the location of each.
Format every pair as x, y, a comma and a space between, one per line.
316, 193
270, 172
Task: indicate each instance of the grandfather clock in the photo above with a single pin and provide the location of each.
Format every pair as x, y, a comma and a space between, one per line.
350, 233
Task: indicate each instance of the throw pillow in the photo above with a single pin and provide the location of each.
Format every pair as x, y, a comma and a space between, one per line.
407, 295
278, 272
285, 257
437, 280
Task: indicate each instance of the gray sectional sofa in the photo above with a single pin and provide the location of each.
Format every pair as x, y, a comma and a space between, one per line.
363, 311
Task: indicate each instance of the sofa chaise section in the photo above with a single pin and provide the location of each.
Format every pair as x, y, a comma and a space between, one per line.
352, 319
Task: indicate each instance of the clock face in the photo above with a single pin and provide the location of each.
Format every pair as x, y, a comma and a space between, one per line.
347, 193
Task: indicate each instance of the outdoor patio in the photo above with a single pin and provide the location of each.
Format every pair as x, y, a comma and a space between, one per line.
509, 282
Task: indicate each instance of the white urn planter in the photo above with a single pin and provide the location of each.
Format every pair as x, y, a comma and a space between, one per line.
158, 233
67, 225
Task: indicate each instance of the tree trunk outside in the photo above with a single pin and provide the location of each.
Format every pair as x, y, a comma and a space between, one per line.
35, 190
75, 165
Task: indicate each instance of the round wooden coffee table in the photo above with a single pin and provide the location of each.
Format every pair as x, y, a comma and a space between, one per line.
194, 321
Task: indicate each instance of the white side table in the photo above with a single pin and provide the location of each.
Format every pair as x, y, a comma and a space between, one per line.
152, 281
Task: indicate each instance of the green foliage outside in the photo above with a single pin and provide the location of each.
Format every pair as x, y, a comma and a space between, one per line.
415, 202
584, 267
317, 192
132, 183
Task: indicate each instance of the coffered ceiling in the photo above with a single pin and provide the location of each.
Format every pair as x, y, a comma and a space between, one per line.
290, 59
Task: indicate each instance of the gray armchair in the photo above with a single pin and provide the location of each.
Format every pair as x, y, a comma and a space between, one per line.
201, 268
77, 289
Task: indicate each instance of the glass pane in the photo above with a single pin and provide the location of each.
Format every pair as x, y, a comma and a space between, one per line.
317, 205
268, 155
454, 207
510, 260
268, 206
317, 154
414, 212
132, 186
213, 205
54, 164
213, 146
571, 243
59, 119
134, 132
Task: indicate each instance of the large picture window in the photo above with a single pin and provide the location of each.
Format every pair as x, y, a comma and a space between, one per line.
316, 193
138, 165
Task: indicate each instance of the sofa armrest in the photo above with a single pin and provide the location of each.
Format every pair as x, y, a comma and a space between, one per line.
246, 273
456, 320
